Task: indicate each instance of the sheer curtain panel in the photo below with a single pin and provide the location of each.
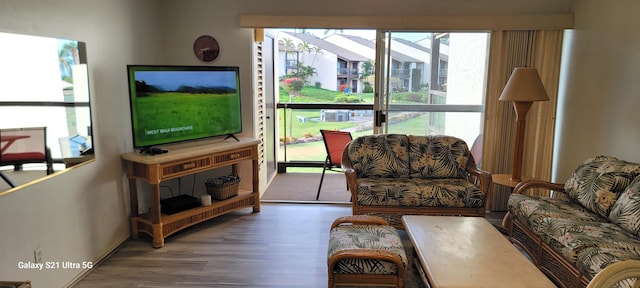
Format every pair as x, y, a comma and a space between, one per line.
540, 49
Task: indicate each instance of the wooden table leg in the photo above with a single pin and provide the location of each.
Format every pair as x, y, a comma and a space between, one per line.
256, 183
156, 220
158, 238
133, 206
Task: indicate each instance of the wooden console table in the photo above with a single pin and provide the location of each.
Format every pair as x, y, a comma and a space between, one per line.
183, 161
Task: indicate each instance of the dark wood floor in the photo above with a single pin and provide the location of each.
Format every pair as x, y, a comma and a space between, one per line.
284, 245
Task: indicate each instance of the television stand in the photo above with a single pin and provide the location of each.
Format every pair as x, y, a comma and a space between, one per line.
231, 136
152, 150
188, 161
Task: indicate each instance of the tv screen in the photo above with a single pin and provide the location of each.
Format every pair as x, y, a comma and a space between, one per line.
179, 103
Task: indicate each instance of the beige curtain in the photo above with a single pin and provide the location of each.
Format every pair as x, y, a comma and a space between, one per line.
511, 49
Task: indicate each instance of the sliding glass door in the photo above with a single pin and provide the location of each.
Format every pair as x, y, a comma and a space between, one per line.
325, 81
367, 81
431, 83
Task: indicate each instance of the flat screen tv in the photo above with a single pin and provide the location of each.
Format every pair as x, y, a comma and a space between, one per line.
179, 103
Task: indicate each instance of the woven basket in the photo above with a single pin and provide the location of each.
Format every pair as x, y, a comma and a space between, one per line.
222, 191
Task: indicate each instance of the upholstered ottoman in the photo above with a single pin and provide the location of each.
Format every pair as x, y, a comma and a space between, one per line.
365, 250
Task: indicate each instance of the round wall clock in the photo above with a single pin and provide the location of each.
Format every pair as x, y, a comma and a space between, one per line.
206, 48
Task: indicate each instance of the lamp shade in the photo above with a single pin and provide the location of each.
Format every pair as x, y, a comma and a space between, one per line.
524, 85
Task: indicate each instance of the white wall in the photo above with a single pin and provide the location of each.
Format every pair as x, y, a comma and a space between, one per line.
82, 214
600, 91
326, 65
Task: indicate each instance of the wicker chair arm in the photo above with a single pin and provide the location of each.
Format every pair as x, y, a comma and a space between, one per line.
368, 253
350, 173
359, 219
482, 178
352, 184
616, 272
346, 161
522, 187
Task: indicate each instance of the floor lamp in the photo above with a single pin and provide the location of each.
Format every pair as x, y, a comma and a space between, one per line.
523, 88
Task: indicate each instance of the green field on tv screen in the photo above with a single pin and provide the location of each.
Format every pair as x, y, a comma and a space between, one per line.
172, 117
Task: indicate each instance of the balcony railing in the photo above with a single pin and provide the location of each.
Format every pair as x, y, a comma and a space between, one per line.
300, 142
401, 73
347, 72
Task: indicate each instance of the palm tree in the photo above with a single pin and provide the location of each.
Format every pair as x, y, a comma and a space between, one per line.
332, 31
306, 72
67, 56
368, 68
316, 51
286, 43
305, 47
366, 74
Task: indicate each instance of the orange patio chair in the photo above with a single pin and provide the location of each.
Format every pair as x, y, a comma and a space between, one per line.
334, 142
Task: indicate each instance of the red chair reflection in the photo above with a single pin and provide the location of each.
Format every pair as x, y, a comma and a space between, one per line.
334, 142
24, 145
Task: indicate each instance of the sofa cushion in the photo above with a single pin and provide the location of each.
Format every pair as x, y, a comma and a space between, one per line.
419, 192
593, 260
586, 243
571, 237
380, 156
533, 210
626, 211
598, 181
367, 237
438, 157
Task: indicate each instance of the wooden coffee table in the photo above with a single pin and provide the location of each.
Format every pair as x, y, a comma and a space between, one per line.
458, 251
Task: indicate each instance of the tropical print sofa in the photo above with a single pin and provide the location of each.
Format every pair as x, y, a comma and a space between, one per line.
390, 175
590, 222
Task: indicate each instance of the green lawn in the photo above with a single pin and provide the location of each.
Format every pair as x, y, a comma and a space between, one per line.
311, 94
294, 125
